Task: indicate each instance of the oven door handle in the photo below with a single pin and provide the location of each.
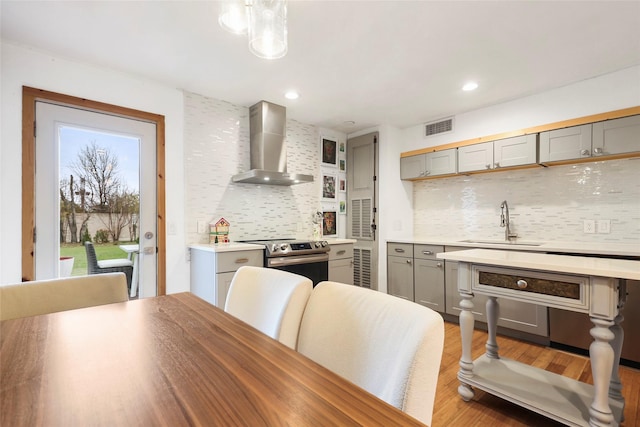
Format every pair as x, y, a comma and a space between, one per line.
295, 260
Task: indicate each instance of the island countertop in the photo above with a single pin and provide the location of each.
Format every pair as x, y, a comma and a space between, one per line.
603, 267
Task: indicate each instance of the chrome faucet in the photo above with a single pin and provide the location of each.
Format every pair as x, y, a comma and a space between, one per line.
504, 222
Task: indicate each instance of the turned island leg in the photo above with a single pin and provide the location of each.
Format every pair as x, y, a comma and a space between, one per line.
493, 312
615, 388
601, 354
466, 334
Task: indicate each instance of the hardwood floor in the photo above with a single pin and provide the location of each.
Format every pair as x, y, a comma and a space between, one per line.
488, 410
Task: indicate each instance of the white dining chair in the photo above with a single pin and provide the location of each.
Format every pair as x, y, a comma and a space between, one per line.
389, 346
270, 300
53, 295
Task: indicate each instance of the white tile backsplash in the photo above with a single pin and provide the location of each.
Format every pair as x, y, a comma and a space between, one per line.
216, 145
546, 204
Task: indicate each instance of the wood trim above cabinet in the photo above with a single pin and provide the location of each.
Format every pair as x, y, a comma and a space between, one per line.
616, 114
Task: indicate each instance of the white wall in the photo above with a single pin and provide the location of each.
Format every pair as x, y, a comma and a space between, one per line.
21, 66
604, 93
217, 146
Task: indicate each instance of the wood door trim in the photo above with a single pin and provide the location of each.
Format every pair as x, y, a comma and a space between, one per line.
29, 97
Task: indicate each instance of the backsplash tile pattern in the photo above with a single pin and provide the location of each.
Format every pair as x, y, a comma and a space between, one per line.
216, 144
546, 204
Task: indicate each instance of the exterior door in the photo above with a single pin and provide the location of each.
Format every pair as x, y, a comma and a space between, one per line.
136, 138
362, 212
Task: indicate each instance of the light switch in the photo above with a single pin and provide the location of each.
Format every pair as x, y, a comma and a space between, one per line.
603, 226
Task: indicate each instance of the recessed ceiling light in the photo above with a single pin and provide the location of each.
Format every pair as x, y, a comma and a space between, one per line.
349, 123
470, 86
292, 94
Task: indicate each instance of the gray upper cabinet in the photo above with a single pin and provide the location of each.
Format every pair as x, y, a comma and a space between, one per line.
617, 136
502, 153
607, 138
413, 166
516, 151
565, 144
475, 157
429, 164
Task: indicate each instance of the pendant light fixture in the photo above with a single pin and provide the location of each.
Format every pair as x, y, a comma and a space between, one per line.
265, 22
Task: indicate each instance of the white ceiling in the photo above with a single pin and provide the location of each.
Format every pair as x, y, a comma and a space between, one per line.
373, 62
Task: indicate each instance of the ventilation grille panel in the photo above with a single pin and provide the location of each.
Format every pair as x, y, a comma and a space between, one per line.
438, 127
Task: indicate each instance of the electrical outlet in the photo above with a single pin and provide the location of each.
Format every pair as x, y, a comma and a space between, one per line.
171, 231
603, 226
589, 226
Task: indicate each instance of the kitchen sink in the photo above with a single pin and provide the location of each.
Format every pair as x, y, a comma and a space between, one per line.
502, 242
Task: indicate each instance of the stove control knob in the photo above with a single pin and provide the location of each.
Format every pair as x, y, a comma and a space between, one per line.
274, 248
324, 243
317, 244
284, 246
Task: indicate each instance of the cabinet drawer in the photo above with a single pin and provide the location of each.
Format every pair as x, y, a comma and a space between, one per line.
531, 284
400, 249
341, 251
552, 289
231, 261
426, 251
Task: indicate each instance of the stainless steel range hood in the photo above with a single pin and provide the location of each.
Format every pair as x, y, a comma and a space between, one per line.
267, 126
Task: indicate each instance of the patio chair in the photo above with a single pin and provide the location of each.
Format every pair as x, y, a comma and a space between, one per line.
117, 265
54, 295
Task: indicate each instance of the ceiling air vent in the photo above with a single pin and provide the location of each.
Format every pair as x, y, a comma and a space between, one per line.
440, 126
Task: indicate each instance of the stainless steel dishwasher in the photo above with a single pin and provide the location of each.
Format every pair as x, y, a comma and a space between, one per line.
571, 329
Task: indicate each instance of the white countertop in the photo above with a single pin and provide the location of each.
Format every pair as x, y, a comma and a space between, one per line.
237, 246
338, 241
592, 266
226, 247
617, 249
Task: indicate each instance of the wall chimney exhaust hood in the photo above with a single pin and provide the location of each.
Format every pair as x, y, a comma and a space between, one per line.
267, 126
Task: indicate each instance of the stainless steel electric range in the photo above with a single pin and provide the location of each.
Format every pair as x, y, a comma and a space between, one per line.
309, 258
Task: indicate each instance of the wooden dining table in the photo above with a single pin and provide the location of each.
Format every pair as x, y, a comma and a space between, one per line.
172, 360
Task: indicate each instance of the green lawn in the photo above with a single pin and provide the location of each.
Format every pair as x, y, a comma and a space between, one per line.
103, 251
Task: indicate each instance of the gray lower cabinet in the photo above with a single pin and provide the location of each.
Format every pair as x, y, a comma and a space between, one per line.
212, 272
400, 270
341, 263
515, 315
414, 273
429, 274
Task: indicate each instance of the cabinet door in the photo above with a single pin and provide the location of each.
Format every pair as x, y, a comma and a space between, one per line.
429, 283
400, 277
565, 144
441, 162
203, 275
412, 167
516, 151
476, 157
223, 282
616, 136
341, 270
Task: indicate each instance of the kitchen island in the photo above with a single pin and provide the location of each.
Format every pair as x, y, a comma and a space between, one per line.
582, 284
